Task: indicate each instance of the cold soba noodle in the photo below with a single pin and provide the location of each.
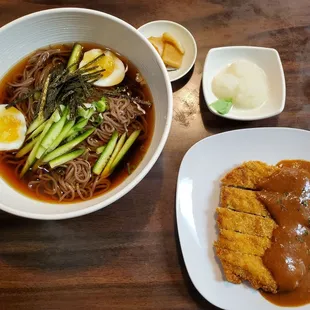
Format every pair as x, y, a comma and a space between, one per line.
103, 108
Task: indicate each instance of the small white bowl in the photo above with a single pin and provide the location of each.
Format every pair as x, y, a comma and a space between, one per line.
266, 58
157, 28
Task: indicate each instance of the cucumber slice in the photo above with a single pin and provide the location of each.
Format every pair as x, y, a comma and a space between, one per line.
77, 127
55, 130
40, 152
71, 137
129, 142
100, 149
68, 146
37, 131
74, 57
60, 160
107, 170
27, 148
61, 136
105, 155
32, 156
36, 165
35, 124
52, 134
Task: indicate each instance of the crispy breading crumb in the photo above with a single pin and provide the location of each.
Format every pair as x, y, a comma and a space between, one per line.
249, 174
242, 200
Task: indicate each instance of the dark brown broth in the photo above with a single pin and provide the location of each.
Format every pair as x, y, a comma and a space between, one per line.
129, 162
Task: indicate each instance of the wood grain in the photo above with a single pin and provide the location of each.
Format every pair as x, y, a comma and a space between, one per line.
127, 256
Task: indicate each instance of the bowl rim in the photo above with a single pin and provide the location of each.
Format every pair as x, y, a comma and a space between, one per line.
275, 112
164, 21
159, 148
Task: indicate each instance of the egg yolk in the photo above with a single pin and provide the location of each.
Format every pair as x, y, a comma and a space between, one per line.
106, 62
9, 127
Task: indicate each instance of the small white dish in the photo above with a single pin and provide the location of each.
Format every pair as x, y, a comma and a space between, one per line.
198, 196
266, 58
158, 27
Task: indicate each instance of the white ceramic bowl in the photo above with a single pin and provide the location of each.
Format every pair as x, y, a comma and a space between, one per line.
158, 27
266, 58
26, 34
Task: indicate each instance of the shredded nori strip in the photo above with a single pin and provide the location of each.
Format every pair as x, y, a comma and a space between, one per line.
91, 62
70, 89
28, 95
74, 88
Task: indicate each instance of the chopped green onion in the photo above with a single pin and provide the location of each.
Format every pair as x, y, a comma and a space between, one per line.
101, 105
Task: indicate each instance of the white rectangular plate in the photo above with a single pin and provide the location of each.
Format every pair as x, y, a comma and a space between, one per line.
198, 196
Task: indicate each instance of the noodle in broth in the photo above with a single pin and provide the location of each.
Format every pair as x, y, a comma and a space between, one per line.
74, 179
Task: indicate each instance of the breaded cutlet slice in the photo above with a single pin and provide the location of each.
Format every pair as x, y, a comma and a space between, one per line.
247, 267
243, 243
245, 223
229, 274
249, 174
242, 200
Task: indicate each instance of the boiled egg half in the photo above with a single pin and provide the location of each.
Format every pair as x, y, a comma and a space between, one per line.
12, 128
114, 69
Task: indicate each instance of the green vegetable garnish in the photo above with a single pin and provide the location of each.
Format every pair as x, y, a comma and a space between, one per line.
100, 149
101, 105
222, 106
76, 54
65, 148
62, 159
106, 154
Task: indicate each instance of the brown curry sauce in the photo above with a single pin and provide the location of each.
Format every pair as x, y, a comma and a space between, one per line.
286, 195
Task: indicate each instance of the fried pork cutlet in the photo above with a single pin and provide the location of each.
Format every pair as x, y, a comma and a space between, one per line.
242, 200
245, 223
249, 174
243, 243
229, 274
247, 267
245, 226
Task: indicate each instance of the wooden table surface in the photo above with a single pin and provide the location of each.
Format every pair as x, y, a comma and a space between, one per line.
127, 256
